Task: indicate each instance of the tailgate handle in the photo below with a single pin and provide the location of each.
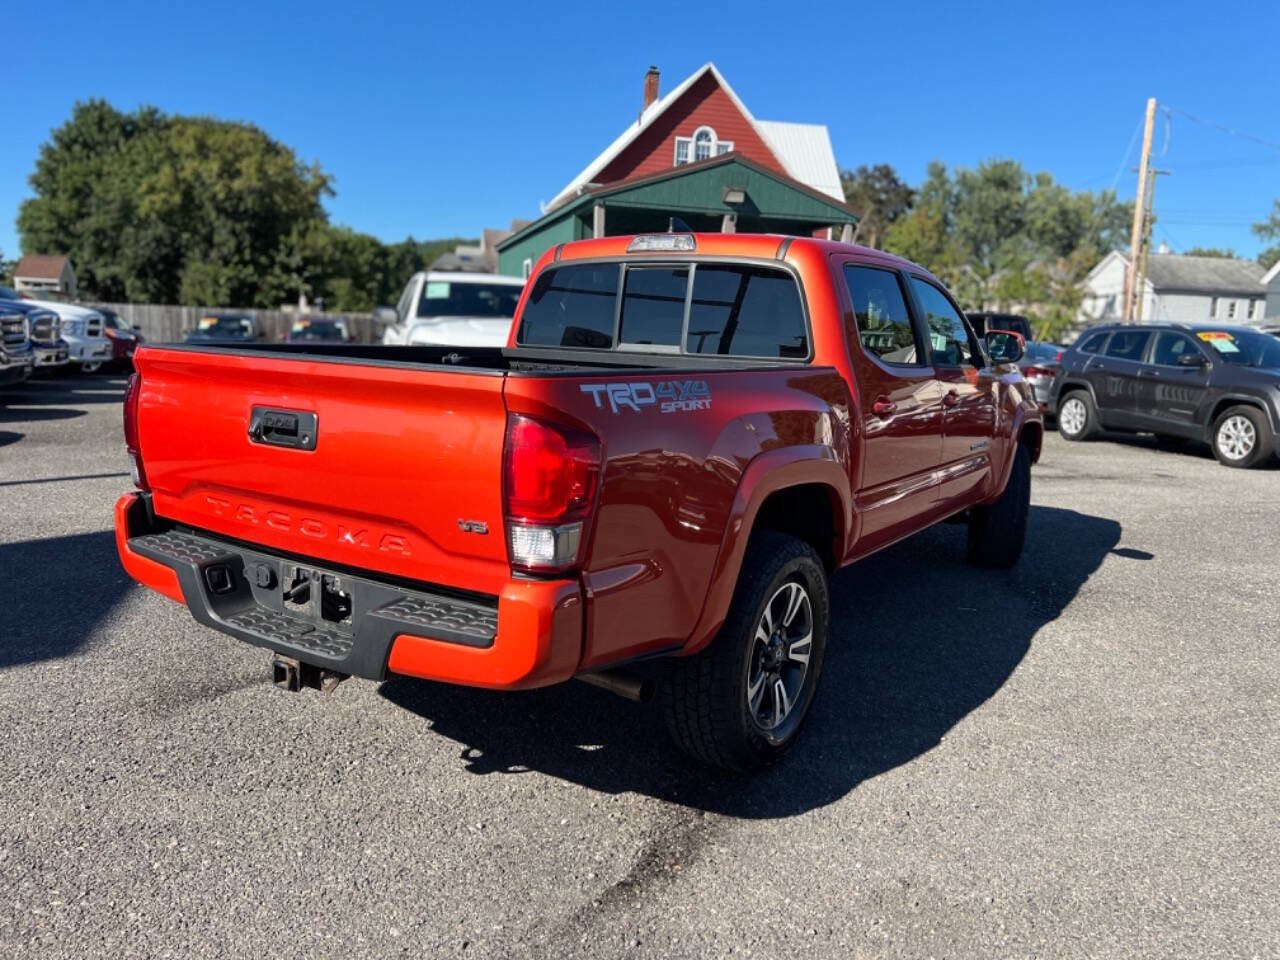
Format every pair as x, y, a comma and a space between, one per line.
294, 429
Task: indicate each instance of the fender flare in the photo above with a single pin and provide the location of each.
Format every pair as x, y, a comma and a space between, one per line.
1022, 418
766, 474
1243, 400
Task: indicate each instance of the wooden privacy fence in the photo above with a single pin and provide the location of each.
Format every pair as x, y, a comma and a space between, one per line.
169, 324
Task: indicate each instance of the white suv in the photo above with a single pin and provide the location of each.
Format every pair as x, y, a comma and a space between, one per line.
453, 309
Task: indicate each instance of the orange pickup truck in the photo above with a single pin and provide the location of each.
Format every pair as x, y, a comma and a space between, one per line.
685, 436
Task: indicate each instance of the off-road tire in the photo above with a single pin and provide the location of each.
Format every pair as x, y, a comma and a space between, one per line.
1262, 440
704, 698
997, 532
1066, 425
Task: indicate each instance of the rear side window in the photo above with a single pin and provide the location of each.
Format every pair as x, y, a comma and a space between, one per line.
1094, 343
1128, 344
884, 323
653, 306
746, 311
572, 306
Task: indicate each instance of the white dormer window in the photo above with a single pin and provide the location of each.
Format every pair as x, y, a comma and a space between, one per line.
702, 145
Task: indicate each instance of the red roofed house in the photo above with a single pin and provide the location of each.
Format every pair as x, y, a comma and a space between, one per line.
700, 155
44, 274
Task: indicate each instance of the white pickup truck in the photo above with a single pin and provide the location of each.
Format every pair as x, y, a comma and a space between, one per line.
452, 309
82, 329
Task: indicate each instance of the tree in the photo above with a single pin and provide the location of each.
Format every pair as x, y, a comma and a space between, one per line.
1269, 229
169, 209
1227, 253
881, 198
1001, 238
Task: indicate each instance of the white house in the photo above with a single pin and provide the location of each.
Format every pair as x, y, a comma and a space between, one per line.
1182, 289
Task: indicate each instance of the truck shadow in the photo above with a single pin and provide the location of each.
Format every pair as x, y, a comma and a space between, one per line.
69, 585
919, 639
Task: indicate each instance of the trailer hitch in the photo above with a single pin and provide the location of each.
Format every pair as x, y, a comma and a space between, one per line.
290, 674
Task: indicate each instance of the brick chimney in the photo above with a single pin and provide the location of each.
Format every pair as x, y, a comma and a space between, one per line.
650, 86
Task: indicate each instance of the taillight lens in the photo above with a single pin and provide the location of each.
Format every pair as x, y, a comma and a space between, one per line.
1038, 372
136, 470
550, 477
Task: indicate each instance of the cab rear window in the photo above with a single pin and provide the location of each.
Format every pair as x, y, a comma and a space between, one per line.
709, 309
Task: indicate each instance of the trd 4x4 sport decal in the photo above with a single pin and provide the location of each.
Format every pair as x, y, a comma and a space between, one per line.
671, 396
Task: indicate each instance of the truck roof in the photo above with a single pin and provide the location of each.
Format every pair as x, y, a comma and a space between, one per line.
764, 246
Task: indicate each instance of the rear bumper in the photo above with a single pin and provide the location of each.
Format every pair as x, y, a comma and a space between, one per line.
529, 635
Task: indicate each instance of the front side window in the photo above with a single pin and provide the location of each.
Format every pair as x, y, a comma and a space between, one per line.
949, 338
1128, 344
571, 306
746, 311
884, 323
653, 306
1171, 348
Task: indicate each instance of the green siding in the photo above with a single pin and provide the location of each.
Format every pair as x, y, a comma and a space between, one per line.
560, 228
696, 195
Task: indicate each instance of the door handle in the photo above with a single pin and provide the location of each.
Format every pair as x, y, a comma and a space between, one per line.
951, 398
883, 407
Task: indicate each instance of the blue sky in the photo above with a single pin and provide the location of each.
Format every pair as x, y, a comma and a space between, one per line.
439, 119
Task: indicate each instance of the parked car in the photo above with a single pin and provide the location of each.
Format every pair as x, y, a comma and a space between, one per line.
15, 345
124, 339
681, 441
1039, 365
82, 330
457, 309
1014, 322
44, 327
226, 328
324, 329
1180, 382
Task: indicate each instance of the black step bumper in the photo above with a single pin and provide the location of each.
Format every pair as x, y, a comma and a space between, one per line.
317, 614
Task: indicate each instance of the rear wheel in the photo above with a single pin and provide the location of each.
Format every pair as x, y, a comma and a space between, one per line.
740, 703
1077, 416
1242, 437
997, 532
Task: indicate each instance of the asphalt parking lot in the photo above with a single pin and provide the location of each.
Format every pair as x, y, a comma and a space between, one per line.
1077, 758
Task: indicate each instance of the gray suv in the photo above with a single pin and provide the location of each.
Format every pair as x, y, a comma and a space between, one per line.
1178, 381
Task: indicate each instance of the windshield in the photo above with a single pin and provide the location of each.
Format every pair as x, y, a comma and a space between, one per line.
8, 293
319, 330
1243, 348
225, 327
444, 298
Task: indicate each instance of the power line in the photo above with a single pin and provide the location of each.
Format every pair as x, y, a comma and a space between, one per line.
1115, 181
1224, 129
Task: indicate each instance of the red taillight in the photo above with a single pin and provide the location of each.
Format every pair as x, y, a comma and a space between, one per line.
136, 470
1038, 372
550, 475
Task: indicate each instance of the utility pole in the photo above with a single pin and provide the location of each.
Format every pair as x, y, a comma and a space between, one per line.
1140, 284
1139, 211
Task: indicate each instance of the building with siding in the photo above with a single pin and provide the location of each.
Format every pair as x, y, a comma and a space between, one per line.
45, 275
697, 154
1182, 289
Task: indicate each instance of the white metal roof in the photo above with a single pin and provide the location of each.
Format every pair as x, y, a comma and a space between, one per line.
804, 149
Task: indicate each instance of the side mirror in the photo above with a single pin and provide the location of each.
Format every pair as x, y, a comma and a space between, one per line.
1192, 360
137, 328
1005, 346
385, 315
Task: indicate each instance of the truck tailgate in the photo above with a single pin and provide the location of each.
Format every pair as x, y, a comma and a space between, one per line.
405, 474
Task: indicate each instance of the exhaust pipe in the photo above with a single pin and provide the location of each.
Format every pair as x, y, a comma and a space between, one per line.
639, 689
292, 675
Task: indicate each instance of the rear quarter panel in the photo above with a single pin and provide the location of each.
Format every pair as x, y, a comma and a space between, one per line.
677, 483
